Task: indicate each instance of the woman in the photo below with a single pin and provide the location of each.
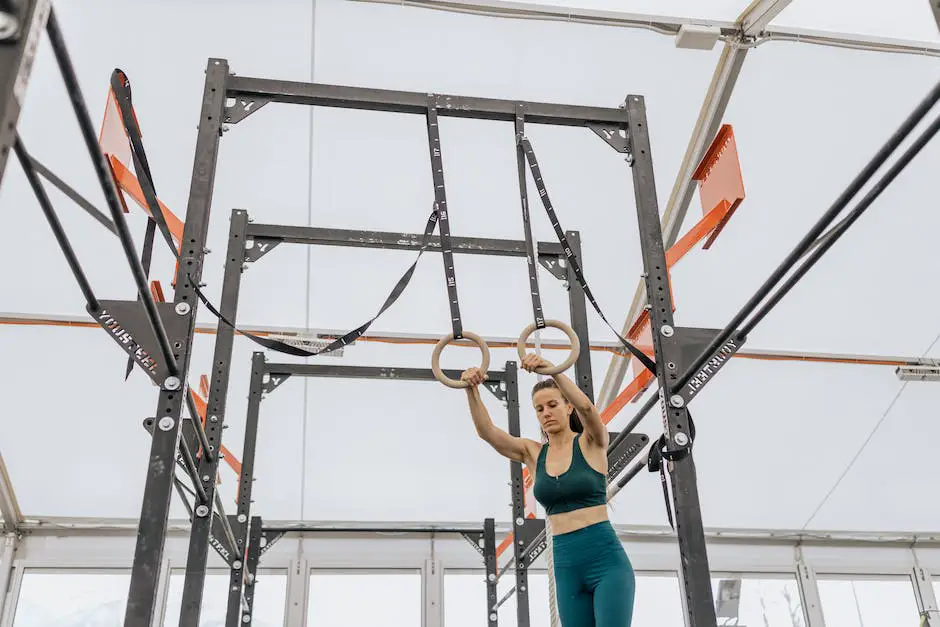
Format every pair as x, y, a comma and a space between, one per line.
594, 580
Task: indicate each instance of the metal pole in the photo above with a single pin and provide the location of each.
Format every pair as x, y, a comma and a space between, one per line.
158, 487
810, 238
199, 542
490, 564
518, 499
59, 232
689, 526
854, 215
245, 483
16, 65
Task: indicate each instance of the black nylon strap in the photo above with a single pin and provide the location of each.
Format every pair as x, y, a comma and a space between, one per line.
530, 254
351, 336
571, 257
440, 205
655, 463
121, 87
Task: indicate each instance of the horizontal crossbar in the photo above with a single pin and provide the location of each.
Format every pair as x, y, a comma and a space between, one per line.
367, 372
395, 241
341, 96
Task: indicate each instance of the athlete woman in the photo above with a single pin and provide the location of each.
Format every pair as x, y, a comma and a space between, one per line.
594, 579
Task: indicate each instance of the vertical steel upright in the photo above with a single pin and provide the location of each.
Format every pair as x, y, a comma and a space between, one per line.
158, 489
17, 54
689, 527
492, 571
518, 500
194, 583
237, 586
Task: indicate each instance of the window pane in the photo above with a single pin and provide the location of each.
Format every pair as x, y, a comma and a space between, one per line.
71, 599
365, 599
864, 602
751, 600
270, 597
657, 600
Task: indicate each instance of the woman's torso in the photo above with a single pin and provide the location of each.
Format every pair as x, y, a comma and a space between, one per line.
573, 482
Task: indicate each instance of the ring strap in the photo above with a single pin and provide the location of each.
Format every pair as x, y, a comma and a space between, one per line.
537, 314
659, 454
120, 85
569, 253
440, 205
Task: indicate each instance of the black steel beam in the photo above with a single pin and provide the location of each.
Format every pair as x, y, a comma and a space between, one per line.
691, 534
300, 528
517, 488
245, 484
810, 239
491, 569
252, 557
16, 65
365, 372
318, 94
158, 487
395, 241
200, 537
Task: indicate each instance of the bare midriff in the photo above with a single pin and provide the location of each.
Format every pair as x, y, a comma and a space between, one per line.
578, 519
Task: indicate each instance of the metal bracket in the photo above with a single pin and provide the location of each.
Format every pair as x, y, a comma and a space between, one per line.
219, 541
691, 342
272, 382
626, 452
555, 266
497, 388
526, 533
475, 538
615, 137
259, 247
242, 108
127, 324
269, 538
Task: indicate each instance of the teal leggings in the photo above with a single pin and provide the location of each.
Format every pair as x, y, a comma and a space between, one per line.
594, 580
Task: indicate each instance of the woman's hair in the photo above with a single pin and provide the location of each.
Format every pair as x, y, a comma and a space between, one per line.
574, 420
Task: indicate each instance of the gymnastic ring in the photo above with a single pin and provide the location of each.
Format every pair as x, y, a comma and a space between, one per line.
572, 337
439, 348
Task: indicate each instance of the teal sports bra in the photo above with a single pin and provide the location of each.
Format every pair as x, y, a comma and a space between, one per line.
578, 487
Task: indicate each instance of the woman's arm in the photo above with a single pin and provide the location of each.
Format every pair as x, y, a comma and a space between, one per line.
594, 427
506, 445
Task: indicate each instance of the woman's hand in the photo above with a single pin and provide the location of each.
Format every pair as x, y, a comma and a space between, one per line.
531, 362
473, 376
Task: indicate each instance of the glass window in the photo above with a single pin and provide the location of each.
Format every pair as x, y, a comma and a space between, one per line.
657, 600
868, 601
767, 600
360, 599
270, 599
71, 599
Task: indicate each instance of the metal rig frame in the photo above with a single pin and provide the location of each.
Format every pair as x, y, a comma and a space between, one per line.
159, 336
248, 242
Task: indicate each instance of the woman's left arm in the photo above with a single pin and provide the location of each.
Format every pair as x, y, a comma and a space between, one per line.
594, 427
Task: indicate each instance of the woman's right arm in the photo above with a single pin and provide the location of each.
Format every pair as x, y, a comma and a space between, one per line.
506, 445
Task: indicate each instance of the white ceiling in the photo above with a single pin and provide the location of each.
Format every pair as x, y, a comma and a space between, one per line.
773, 437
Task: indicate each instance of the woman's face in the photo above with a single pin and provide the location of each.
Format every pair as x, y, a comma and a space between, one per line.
552, 410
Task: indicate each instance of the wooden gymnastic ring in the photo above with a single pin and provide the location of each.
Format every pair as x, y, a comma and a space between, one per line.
572, 337
439, 348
